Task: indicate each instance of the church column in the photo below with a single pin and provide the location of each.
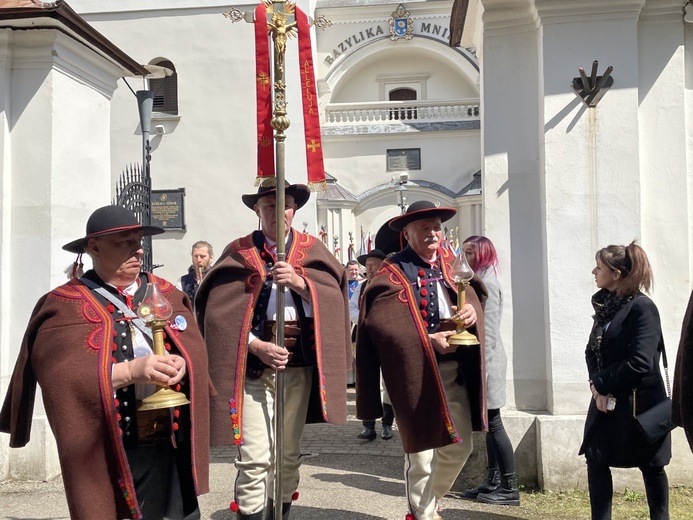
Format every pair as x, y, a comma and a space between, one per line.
338, 220
591, 171
57, 173
664, 171
512, 191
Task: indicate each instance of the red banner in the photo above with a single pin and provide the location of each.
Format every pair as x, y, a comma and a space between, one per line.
311, 115
263, 92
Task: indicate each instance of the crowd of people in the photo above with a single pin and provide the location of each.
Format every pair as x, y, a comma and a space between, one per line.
102, 345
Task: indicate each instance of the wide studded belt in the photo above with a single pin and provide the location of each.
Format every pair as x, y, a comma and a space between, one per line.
446, 325
153, 424
292, 333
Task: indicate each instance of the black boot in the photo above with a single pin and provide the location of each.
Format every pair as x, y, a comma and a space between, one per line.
507, 494
286, 506
255, 516
387, 432
368, 434
490, 484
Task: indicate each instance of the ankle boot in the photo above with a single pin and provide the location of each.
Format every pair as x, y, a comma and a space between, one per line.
507, 494
490, 484
286, 506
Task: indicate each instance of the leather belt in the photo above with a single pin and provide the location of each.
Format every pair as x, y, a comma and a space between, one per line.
446, 325
292, 333
153, 424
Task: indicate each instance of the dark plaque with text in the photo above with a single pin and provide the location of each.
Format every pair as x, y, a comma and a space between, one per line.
403, 159
167, 209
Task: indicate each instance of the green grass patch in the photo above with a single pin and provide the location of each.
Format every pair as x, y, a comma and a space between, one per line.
575, 505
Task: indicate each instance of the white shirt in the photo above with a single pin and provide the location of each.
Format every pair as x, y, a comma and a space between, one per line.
290, 312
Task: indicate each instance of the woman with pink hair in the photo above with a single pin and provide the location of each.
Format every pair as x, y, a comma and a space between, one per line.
500, 486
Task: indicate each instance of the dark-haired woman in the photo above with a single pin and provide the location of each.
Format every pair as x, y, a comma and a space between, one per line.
623, 362
500, 486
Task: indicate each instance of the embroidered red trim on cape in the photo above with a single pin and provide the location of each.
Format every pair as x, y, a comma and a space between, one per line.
107, 400
295, 256
398, 277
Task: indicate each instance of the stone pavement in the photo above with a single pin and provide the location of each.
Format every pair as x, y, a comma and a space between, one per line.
342, 478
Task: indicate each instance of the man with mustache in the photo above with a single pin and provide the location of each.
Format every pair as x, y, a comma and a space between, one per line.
93, 359
237, 311
436, 389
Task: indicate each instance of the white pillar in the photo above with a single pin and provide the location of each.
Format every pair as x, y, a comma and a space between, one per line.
55, 151
513, 191
591, 173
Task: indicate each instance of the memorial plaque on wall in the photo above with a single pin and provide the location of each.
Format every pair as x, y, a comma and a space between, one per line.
168, 209
403, 159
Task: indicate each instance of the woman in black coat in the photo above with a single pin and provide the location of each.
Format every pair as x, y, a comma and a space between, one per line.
623, 361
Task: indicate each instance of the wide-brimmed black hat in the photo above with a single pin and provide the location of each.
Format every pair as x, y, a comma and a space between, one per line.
419, 210
388, 240
299, 192
373, 253
109, 220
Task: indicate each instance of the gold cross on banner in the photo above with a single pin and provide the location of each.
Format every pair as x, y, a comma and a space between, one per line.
313, 146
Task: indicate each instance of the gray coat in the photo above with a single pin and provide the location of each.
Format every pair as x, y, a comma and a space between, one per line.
496, 361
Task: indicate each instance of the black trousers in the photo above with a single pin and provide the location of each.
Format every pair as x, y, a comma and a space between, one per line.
163, 480
602, 489
499, 450
388, 417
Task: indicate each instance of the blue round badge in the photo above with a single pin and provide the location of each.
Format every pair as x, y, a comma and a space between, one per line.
180, 323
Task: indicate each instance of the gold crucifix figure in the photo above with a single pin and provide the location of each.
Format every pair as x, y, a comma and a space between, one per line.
281, 22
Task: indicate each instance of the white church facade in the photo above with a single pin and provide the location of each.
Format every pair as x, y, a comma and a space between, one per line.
493, 128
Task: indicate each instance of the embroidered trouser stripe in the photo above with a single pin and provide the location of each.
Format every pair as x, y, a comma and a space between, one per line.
254, 483
429, 474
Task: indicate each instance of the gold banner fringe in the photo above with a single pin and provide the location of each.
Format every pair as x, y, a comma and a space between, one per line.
317, 186
265, 182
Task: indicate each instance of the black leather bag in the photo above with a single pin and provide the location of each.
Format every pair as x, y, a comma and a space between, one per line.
655, 423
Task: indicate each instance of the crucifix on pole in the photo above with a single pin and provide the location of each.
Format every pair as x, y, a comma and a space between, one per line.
280, 20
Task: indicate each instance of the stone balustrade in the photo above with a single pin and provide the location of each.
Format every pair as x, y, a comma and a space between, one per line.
392, 112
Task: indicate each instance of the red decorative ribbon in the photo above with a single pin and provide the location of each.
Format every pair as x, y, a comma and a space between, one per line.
263, 92
311, 115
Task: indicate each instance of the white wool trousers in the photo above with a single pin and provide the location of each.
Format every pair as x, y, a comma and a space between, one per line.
255, 464
429, 474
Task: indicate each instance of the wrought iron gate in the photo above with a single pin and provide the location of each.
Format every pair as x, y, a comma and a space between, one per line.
133, 191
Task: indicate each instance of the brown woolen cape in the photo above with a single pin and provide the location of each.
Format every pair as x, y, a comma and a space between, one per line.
225, 304
393, 338
67, 350
682, 394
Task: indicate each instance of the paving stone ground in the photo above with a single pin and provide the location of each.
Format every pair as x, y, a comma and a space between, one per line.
342, 478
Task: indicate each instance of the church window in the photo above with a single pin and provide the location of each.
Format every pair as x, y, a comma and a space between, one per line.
165, 90
403, 94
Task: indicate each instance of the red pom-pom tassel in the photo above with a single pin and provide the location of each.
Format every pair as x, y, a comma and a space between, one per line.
294, 497
233, 506
409, 517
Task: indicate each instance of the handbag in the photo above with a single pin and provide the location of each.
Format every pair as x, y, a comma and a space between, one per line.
655, 423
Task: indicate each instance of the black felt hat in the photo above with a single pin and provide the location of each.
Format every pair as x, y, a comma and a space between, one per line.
299, 192
107, 221
373, 253
388, 240
420, 210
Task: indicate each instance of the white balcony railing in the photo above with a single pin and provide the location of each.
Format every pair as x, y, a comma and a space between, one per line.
393, 112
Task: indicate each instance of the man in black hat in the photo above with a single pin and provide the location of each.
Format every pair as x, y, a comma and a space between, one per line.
236, 308
372, 261
436, 389
92, 357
